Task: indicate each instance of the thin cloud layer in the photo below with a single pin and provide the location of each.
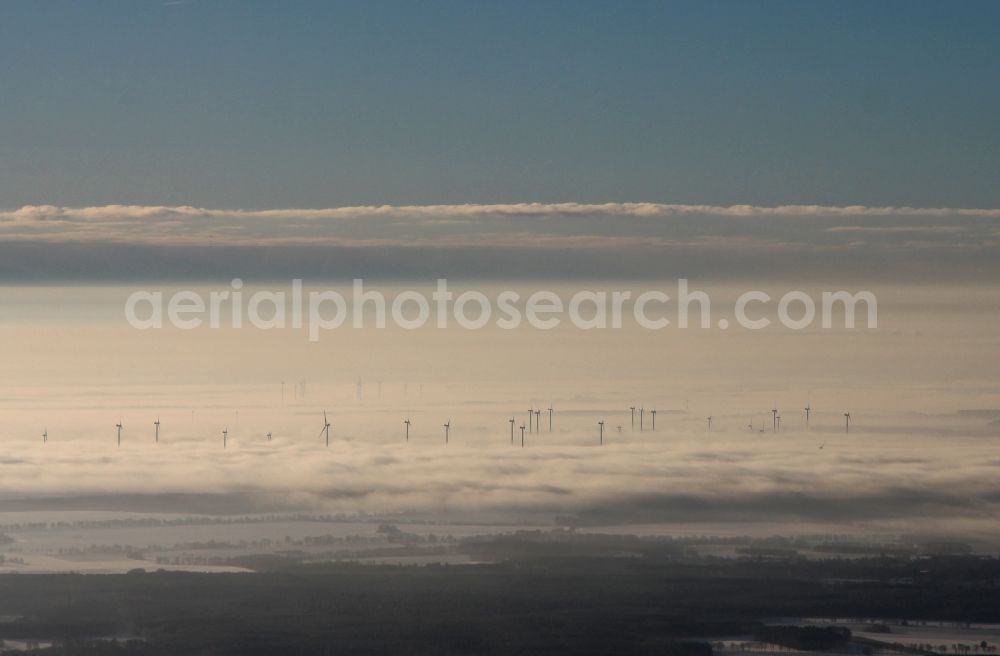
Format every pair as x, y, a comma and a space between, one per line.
473, 210
547, 239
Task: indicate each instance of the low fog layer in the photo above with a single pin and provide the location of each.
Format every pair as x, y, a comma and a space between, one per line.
940, 475
921, 455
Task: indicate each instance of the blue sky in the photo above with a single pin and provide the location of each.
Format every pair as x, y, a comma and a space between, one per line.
324, 104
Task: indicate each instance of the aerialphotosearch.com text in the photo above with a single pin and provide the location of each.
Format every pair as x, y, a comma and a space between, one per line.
320, 311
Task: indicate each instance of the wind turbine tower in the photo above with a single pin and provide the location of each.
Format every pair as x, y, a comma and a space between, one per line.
600, 425
407, 422
326, 428
119, 427
847, 422
156, 437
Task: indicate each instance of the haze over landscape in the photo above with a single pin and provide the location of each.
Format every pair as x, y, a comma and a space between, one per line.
919, 458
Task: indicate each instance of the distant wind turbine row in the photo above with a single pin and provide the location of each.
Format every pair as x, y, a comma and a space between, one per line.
776, 420
534, 418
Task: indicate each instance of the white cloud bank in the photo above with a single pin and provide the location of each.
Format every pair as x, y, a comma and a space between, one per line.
626, 239
471, 210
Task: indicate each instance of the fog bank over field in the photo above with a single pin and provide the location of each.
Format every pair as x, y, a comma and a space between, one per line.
883, 481
921, 456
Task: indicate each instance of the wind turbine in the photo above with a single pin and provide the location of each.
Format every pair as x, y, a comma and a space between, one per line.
550, 418
225, 437
119, 427
522, 436
538, 421
157, 435
642, 414
511, 420
326, 428
774, 419
531, 413
269, 437
45, 436
653, 413
407, 422
601, 425
847, 422
808, 409
779, 423
632, 408
709, 424
447, 431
